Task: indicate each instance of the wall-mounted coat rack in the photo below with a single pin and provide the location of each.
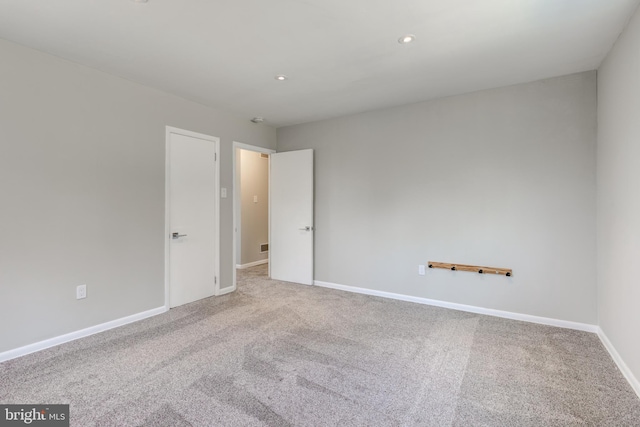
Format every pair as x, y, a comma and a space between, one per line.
474, 268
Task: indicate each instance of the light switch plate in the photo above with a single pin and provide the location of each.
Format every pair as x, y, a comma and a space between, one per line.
81, 292
223, 193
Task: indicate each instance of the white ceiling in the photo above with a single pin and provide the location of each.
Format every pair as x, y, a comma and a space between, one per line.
342, 56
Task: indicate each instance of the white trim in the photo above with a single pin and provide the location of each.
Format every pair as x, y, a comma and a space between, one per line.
633, 381
255, 148
462, 307
217, 222
167, 207
236, 197
226, 290
72, 336
252, 264
167, 223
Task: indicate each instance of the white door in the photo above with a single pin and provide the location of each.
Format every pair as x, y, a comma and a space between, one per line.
291, 216
192, 205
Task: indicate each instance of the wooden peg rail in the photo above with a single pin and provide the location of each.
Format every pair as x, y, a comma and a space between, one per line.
474, 268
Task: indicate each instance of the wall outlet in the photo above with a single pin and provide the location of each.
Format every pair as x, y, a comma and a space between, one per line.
81, 292
421, 270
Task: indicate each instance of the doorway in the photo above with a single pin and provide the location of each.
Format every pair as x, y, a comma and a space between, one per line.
250, 207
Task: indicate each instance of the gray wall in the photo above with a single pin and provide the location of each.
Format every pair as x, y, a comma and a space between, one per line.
254, 181
82, 192
619, 195
502, 177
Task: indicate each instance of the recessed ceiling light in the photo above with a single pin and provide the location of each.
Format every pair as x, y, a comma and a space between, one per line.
281, 77
407, 38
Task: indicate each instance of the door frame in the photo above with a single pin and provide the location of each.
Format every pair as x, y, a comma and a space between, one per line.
167, 208
236, 200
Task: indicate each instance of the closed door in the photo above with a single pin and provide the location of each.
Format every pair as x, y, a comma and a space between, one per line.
192, 216
291, 216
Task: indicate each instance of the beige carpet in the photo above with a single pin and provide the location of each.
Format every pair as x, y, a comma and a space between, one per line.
283, 354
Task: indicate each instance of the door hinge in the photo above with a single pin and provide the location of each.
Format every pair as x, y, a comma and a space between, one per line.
215, 280
216, 157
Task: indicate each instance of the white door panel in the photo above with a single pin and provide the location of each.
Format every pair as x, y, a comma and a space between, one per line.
193, 211
291, 205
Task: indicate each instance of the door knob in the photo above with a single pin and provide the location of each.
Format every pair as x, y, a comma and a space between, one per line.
307, 228
177, 235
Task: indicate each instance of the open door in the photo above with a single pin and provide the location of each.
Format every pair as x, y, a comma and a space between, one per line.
291, 216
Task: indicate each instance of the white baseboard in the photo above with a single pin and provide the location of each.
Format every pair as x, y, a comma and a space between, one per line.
633, 381
226, 290
462, 307
252, 264
52, 342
